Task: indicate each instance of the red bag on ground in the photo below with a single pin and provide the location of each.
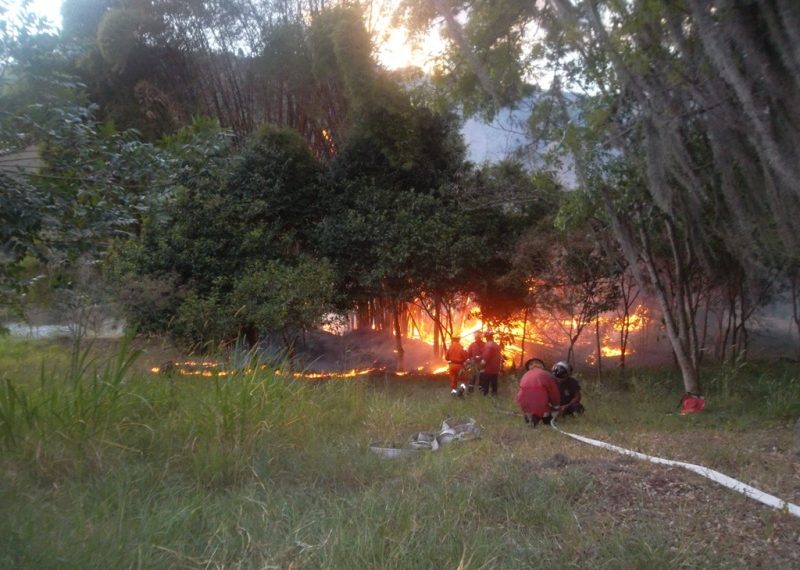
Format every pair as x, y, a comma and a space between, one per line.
692, 403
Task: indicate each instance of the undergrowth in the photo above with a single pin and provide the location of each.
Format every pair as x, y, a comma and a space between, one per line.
103, 466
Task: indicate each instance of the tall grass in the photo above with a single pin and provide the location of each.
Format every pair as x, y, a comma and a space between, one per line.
103, 467
737, 398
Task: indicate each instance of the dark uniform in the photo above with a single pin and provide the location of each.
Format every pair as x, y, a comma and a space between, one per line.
567, 388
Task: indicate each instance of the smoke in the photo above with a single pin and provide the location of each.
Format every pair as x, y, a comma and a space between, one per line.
364, 348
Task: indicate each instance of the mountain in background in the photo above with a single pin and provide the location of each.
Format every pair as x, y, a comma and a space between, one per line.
506, 137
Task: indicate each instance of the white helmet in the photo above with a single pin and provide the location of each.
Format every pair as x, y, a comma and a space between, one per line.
561, 369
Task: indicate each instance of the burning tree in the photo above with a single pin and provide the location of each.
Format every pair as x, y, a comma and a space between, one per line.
698, 96
628, 294
579, 290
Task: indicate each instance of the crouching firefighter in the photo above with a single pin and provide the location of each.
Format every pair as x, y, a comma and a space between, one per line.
568, 388
538, 396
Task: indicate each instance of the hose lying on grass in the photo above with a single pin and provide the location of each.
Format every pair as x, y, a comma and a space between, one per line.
716, 476
453, 429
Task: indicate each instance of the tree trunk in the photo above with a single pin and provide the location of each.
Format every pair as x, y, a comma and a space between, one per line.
795, 291
678, 338
288, 342
437, 328
705, 326
571, 351
636, 252
250, 335
398, 339
362, 316
522, 342
628, 298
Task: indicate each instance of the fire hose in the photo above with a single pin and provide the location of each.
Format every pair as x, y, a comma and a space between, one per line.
716, 476
453, 429
456, 428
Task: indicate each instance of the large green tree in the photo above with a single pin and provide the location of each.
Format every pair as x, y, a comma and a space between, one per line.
70, 184
231, 216
698, 95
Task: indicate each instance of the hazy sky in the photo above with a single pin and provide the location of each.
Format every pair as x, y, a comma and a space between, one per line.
393, 49
50, 9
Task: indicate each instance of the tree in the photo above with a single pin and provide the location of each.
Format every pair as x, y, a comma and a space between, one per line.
578, 286
284, 299
84, 183
20, 223
794, 295
682, 85
231, 212
628, 292
392, 245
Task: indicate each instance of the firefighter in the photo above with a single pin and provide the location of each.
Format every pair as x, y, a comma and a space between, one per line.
492, 361
538, 396
474, 352
568, 388
456, 355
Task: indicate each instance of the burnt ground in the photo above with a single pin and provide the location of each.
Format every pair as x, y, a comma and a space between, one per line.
363, 348
319, 351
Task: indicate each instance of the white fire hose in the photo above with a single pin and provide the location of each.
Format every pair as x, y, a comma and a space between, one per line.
716, 476
456, 428
459, 428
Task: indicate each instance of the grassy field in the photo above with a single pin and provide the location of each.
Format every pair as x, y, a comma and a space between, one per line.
104, 465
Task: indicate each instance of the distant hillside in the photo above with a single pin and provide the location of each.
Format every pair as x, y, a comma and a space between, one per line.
507, 137
504, 137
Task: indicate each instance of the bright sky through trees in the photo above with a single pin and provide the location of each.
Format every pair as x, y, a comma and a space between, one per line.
393, 48
50, 9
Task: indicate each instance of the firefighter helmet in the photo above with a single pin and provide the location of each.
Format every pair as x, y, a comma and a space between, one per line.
561, 369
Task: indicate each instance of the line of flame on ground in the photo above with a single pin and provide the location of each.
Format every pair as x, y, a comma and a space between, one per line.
211, 369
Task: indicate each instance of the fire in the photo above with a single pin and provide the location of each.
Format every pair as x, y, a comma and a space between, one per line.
543, 330
609, 351
318, 375
210, 369
207, 368
466, 322
569, 323
326, 135
636, 321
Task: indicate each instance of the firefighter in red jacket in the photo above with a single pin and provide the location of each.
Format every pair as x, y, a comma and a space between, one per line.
492, 360
538, 396
474, 352
456, 355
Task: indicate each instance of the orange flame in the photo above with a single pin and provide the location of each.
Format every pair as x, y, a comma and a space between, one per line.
636, 321
609, 351
211, 369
